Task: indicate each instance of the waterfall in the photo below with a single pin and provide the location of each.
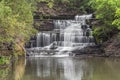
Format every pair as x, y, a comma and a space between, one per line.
67, 35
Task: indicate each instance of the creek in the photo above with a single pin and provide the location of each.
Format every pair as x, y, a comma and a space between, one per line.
65, 68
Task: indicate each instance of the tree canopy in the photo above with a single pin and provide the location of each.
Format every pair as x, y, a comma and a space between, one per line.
108, 12
15, 20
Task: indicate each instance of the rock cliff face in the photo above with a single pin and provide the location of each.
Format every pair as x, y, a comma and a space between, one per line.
43, 25
56, 10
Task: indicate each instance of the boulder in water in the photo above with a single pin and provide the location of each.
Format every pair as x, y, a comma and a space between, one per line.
53, 46
90, 50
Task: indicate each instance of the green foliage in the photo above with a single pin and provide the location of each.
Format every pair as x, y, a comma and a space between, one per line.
4, 60
117, 20
50, 3
107, 11
102, 33
16, 20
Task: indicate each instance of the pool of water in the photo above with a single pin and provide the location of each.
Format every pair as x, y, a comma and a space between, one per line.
67, 68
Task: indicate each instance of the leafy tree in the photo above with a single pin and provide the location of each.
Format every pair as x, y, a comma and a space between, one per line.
117, 18
16, 20
107, 11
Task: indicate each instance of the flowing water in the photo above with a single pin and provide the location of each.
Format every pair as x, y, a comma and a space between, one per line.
67, 36
66, 33
66, 68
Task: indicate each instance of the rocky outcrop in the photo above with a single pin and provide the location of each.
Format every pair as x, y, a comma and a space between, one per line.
112, 46
89, 51
43, 25
56, 10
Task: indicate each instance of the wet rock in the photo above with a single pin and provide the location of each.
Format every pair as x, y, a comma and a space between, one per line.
90, 50
53, 46
110, 48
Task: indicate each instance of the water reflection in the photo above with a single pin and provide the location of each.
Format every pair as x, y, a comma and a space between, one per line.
62, 69
19, 69
106, 69
14, 71
55, 69
72, 69
4, 73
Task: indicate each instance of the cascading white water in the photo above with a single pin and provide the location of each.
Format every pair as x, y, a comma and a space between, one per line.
67, 35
